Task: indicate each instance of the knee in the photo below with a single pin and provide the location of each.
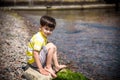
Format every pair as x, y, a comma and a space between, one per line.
51, 46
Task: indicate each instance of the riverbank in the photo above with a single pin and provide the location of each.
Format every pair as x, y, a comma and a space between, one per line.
14, 35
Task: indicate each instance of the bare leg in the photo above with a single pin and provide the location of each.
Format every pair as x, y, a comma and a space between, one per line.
49, 56
55, 59
52, 55
51, 50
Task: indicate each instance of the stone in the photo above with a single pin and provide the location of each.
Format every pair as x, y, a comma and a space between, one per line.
32, 74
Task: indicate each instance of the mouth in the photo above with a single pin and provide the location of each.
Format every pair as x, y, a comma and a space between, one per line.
47, 35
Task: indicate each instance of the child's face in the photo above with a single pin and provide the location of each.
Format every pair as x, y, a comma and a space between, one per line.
46, 30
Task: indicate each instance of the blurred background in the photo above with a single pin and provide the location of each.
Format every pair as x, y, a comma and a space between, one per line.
49, 3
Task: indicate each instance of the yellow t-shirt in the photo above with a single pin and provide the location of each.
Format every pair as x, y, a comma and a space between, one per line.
36, 43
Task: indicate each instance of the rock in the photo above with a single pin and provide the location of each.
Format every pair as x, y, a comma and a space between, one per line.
32, 74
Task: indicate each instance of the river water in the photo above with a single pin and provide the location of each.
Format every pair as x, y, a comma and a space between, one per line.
88, 41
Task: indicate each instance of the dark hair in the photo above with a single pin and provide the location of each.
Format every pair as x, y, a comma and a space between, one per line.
48, 21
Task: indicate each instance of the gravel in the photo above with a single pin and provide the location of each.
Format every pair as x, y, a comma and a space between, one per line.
14, 35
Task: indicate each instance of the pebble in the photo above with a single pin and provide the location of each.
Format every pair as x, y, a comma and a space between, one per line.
13, 38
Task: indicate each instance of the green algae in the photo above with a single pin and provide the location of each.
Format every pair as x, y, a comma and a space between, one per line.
67, 74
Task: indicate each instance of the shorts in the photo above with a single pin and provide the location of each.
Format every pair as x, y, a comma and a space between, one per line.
42, 56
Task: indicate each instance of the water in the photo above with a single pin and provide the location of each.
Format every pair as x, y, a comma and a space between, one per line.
88, 41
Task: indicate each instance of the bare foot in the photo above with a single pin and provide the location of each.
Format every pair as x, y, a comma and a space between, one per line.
58, 68
51, 71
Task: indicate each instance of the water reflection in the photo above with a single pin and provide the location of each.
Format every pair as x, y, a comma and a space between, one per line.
88, 41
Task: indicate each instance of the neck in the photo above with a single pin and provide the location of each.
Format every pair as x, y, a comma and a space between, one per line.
43, 34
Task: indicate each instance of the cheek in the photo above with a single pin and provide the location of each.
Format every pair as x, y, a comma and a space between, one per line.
45, 31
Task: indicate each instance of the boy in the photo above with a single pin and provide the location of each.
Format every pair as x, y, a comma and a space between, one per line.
40, 52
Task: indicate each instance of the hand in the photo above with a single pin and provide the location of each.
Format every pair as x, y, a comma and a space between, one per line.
44, 72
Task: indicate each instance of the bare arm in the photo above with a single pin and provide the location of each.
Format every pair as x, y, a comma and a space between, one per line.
39, 65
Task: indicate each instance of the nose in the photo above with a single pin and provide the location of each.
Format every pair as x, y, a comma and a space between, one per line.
48, 31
